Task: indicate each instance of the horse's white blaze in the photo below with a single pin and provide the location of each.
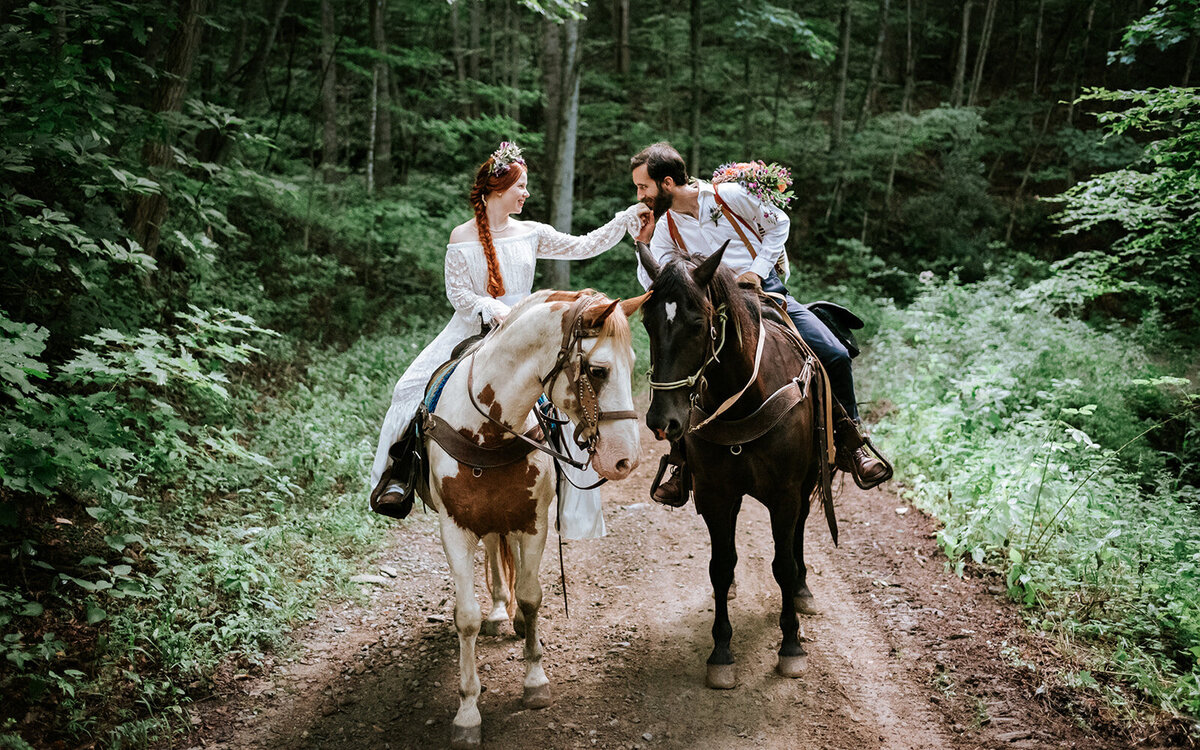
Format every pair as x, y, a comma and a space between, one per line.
670, 307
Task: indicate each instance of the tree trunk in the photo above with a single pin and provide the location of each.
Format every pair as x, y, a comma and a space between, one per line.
329, 142
382, 105
1075, 84
552, 75
910, 85
460, 58
621, 21
150, 210
876, 60
252, 81
1012, 217
960, 67
843, 67
1037, 46
985, 41
371, 140
473, 53
558, 273
514, 66
694, 130
1191, 58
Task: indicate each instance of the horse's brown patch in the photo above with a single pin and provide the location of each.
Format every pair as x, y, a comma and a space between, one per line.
487, 396
498, 501
562, 296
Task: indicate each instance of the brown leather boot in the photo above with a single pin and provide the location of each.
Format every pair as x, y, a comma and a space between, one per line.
868, 470
857, 456
670, 492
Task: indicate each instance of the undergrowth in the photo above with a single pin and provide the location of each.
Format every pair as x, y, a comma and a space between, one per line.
125, 609
1059, 456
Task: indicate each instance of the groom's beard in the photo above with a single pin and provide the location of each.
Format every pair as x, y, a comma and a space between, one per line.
660, 203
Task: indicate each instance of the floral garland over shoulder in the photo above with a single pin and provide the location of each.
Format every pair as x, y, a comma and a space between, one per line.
769, 183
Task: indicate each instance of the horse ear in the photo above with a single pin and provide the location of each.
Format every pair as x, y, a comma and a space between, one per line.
706, 270
633, 304
648, 261
594, 316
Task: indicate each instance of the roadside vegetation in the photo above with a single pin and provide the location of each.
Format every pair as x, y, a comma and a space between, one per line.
223, 242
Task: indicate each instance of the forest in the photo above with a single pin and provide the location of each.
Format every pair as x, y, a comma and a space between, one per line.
224, 224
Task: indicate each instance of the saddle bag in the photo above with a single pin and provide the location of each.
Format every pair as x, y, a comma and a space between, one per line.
841, 323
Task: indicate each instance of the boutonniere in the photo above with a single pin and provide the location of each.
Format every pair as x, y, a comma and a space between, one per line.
715, 214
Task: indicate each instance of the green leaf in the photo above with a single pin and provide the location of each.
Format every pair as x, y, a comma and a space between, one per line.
32, 609
95, 614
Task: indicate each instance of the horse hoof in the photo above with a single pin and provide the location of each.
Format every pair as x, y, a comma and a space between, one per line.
792, 666
465, 738
805, 604
538, 697
491, 627
721, 676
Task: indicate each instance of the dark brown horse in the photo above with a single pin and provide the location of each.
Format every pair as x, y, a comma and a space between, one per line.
714, 354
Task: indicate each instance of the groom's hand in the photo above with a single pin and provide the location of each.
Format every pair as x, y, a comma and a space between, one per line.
750, 280
646, 222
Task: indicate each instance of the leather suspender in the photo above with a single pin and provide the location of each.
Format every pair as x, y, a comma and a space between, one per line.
734, 220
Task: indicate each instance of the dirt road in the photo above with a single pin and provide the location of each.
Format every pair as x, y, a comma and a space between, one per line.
904, 654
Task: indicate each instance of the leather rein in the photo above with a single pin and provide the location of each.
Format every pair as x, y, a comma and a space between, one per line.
736, 432
570, 362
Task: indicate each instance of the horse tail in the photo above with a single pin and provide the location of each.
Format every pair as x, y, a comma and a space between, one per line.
507, 567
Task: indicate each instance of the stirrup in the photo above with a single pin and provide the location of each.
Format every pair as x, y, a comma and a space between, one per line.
887, 465
684, 484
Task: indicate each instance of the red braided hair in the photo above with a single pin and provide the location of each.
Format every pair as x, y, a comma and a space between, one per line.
485, 183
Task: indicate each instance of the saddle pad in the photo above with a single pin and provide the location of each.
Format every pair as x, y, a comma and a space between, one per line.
433, 391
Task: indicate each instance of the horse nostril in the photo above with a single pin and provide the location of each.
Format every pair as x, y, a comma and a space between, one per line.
623, 465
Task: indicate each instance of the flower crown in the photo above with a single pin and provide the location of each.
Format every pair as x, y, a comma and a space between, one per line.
505, 156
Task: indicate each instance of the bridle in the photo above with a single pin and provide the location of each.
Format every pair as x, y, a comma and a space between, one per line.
697, 378
572, 363
714, 345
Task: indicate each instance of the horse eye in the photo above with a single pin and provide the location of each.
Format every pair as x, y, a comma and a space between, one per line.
597, 373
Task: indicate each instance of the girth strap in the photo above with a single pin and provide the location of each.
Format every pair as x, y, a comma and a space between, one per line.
762, 421
472, 454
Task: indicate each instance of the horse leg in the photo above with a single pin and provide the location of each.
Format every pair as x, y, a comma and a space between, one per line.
722, 523
529, 601
784, 519
460, 554
500, 570
803, 601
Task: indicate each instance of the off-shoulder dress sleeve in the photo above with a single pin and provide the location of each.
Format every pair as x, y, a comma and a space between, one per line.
462, 293
554, 244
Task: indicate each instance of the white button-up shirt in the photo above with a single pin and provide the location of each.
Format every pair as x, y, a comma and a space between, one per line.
705, 235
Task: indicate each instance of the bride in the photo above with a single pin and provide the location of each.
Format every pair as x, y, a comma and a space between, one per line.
489, 268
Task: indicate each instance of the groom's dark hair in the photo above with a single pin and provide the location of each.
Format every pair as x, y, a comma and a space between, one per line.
662, 161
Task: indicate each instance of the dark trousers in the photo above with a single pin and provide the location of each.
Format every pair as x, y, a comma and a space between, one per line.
828, 349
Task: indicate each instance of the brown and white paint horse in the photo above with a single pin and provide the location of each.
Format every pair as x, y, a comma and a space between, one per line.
507, 507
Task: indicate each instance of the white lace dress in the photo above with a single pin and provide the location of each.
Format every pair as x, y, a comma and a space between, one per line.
466, 288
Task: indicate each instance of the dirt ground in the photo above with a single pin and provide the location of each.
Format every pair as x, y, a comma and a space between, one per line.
904, 654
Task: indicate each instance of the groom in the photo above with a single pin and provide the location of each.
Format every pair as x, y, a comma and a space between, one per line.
691, 217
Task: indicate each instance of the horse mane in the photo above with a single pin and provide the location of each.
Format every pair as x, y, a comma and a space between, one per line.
722, 290
614, 327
